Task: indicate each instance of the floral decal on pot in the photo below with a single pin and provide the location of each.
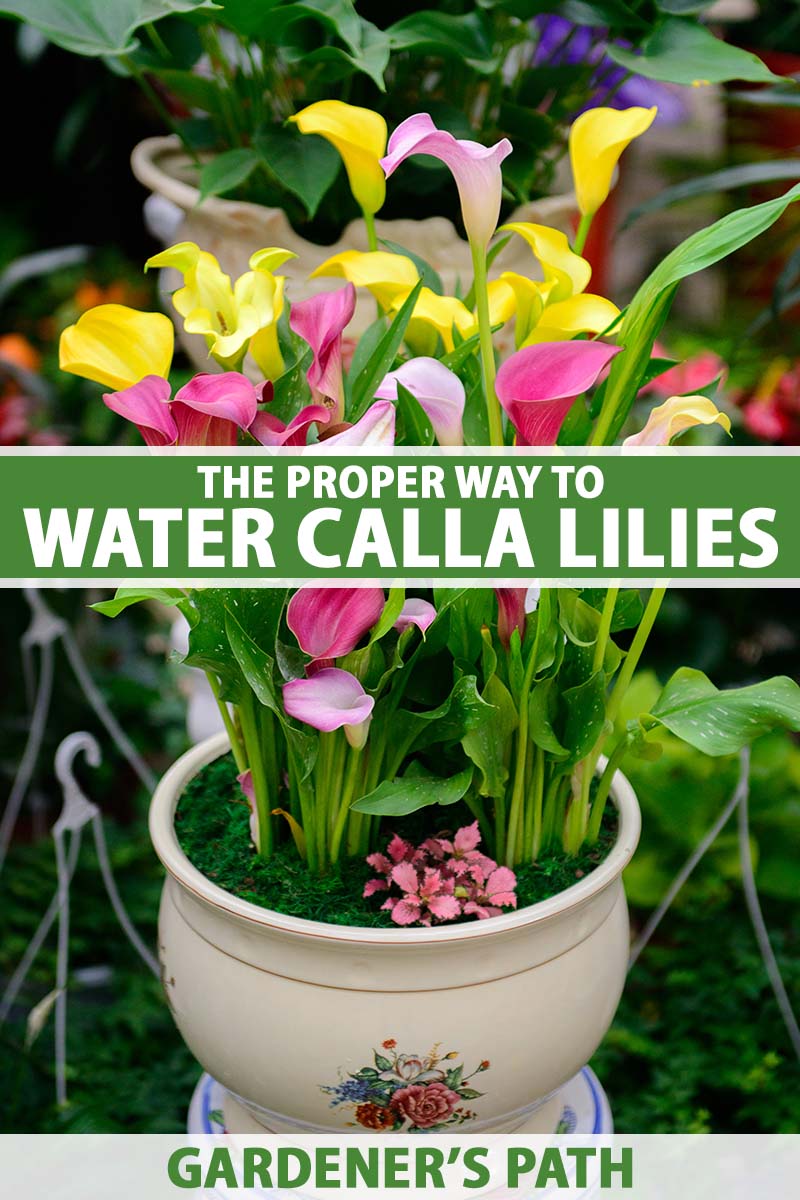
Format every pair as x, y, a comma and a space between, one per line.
408, 1091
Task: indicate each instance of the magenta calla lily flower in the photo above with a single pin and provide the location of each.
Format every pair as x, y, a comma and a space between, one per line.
415, 612
329, 700
245, 781
146, 404
376, 428
321, 321
209, 411
439, 392
538, 385
510, 612
330, 622
269, 430
475, 168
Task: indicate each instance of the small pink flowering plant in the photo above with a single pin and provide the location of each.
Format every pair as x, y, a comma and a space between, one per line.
441, 880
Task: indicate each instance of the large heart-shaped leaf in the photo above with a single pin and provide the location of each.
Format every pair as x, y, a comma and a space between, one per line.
305, 164
97, 28
722, 722
125, 597
681, 51
399, 797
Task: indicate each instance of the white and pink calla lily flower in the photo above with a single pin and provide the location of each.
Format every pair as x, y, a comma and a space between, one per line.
330, 622
415, 612
475, 168
208, 411
438, 391
331, 699
675, 416
321, 321
538, 385
375, 428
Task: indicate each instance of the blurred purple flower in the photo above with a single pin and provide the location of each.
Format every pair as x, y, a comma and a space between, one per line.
563, 44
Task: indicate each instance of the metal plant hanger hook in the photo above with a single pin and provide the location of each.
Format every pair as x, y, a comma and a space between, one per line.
44, 630
77, 811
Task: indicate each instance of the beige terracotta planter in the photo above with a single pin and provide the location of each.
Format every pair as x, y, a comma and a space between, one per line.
232, 230
280, 1010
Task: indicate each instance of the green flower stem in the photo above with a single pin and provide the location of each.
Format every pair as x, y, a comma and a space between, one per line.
515, 818
635, 653
621, 686
239, 755
536, 805
349, 788
604, 630
251, 733
494, 418
582, 234
601, 645
162, 110
303, 797
372, 237
603, 788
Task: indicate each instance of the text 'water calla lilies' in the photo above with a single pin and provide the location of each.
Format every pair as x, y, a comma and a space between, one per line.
538, 385
597, 141
231, 317
359, 134
330, 622
475, 168
675, 416
117, 346
207, 411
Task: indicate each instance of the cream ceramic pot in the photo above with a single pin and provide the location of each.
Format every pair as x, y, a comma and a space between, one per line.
297, 1019
233, 229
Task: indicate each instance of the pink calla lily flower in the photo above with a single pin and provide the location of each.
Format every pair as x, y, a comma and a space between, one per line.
538, 385
331, 699
208, 411
415, 612
330, 622
147, 405
321, 321
245, 781
269, 430
439, 392
510, 612
375, 428
475, 168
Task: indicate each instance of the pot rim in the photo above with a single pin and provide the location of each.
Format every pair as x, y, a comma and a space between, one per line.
165, 842
149, 167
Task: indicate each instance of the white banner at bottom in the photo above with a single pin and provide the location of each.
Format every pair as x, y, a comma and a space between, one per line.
256, 1167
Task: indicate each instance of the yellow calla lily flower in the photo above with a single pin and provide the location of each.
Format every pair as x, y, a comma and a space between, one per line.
565, 271
529, 301
675, 416
117, 346
597, 139
580, 314
227, 316
264, 345
435, 316
360, 135
502, 301
385, 275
